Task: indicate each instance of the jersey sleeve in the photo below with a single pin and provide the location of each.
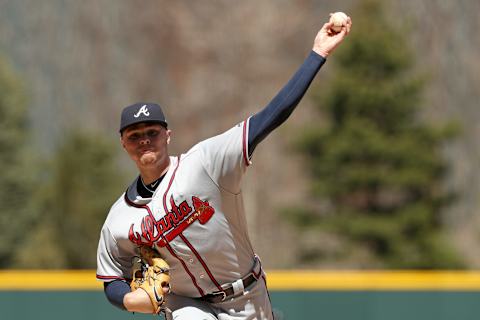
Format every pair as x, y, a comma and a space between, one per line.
110, 266
225, 157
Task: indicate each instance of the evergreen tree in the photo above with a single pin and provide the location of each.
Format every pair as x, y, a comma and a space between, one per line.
17, 165
82, 183
377, 169
50, 213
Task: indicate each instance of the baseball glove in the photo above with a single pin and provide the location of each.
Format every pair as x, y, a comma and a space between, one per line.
153, 277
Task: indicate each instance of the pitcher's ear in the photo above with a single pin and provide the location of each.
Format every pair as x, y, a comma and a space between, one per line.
169, 135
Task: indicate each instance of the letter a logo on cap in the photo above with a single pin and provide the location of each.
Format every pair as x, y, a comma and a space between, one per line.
143, 110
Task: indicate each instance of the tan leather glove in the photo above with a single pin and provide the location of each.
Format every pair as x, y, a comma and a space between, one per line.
153, 277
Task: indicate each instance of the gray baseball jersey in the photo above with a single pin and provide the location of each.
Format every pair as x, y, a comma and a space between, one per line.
195, 219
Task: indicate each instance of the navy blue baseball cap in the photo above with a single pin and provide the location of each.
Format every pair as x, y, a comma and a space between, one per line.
142, 112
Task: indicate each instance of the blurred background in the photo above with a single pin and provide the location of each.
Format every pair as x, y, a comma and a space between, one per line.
376, 169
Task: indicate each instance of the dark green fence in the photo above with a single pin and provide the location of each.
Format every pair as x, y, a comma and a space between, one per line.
334, 305
344, 295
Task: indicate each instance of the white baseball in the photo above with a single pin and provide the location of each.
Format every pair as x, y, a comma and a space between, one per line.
339, 20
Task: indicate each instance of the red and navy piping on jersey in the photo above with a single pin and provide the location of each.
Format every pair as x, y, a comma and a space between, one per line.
194, 281
164, 241
170, 249
161, 234
202, 262
192, 277
245, 144
150, 215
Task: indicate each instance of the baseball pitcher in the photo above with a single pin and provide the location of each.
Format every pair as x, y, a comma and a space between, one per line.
176, 241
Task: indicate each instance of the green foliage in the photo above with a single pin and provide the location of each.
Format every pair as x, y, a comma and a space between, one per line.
17, 163
81, 185
377, 170
51, 212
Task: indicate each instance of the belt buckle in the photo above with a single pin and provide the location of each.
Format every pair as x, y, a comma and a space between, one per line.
220, 293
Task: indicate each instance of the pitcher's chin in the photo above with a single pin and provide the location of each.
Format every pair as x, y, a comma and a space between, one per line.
148, 158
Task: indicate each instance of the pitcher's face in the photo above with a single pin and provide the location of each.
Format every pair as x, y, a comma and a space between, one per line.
146, 143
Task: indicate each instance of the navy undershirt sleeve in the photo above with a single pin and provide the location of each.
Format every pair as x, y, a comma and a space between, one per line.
115, 291
283, 104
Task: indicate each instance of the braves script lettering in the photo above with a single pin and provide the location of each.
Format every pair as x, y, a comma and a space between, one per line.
172, 224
